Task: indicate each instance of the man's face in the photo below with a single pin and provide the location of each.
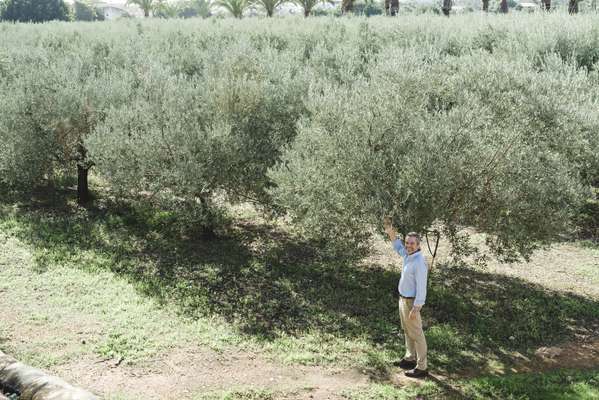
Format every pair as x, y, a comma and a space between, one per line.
412, 244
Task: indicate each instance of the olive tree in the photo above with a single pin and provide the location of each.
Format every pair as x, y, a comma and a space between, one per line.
197, 137
457, 144
48, 107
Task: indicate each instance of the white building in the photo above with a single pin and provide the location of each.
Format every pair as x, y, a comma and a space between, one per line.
528, 6
114, 9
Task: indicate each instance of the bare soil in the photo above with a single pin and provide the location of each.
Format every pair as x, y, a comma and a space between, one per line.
184, 372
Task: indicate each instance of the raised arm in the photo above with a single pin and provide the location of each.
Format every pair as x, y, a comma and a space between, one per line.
392, 233
399, 248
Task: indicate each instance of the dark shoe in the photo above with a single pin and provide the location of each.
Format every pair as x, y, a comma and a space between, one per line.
405, 364
416, 373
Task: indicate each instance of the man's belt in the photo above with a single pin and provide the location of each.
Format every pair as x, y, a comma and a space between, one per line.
402, 296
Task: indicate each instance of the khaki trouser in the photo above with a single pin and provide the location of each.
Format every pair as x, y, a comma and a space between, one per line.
415, 340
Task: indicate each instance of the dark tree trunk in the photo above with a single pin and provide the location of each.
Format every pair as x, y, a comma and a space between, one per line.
208, 229
391, 7
347, 6
146, 13
547, 5
486, 5
503, 6
306, 12
446, 7
573, 7
82, 184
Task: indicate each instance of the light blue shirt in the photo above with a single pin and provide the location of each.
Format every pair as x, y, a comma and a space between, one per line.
413, 275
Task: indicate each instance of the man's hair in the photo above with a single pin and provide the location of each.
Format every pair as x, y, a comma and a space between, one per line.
415, 235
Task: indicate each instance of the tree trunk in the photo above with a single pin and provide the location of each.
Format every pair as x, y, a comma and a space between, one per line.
82, 184
33, 384
146, 12
503, 7
573, 7
391, 7
547, 5
347, 6
446, 7
208, 229
486, 5
306, 12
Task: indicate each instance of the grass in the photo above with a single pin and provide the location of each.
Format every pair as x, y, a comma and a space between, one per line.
556, 385
151, 287
131, 326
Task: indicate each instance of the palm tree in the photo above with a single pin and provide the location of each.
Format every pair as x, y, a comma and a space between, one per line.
194, 8
269, 5
308, 5
235, 7
145, 5
165, 10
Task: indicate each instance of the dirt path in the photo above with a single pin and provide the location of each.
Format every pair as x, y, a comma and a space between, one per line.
580, 354
182, 374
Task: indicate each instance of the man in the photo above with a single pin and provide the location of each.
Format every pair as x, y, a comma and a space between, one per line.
412, 295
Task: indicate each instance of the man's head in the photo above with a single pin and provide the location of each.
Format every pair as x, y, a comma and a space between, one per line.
412, 242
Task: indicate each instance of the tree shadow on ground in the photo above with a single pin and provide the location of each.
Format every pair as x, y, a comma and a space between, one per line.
269, 284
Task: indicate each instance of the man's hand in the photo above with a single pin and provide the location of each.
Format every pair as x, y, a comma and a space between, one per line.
413, 313
389, 229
